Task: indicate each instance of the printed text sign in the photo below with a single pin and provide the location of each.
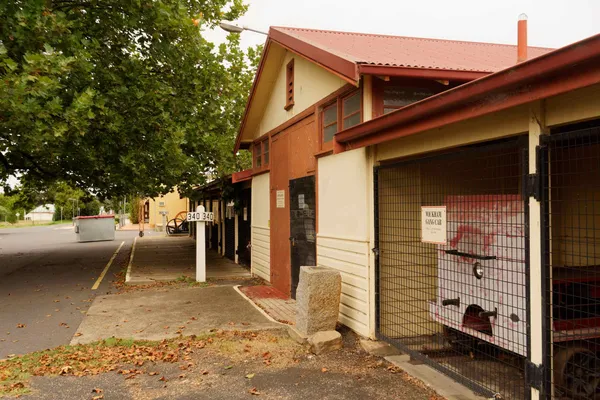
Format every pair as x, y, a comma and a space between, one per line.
433, 225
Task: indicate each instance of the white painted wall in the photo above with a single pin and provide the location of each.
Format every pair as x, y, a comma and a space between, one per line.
261, 232
343, 232
311, 84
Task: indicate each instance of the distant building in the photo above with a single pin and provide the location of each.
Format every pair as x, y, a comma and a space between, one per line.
171, 203
41, 213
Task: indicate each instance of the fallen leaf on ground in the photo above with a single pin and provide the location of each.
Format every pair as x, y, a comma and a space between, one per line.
65, 370
20, 325
229, 367
323, 369
204, 372
254, 391
57, 301
97, 390
98, 397
78, 334
17, 385
181, 376
152, 373
249, 376
163, 379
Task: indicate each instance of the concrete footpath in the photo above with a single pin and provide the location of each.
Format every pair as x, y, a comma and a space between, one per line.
167, 258
169, 312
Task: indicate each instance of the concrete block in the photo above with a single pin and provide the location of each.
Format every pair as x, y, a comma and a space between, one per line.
379, 349
325, 342
317, 300
297, 336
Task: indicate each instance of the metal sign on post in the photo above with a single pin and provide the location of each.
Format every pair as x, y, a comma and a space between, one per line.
200, 217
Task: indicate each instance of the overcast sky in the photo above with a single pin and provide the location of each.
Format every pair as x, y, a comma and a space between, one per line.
552, 23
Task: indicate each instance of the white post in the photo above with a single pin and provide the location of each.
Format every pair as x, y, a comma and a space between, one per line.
536, 128
200, 249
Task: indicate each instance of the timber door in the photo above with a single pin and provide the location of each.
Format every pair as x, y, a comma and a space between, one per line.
244, 228
292, 158
302, 226
280, 214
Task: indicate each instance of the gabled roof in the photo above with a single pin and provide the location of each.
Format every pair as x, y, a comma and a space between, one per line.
350, 55
361, 51
569, 68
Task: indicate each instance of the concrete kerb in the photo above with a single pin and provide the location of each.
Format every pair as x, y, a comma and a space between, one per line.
128, 274
263, 312
442, 384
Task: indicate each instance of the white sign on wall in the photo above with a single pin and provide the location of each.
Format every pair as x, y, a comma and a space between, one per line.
433, 224
281, 199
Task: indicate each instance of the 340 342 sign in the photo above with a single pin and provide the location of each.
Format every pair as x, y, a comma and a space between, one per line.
200, 216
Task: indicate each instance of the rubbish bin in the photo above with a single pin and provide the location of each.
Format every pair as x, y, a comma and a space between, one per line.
95, 228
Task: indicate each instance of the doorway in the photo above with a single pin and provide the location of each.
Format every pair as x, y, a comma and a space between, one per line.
293, 168
302, 226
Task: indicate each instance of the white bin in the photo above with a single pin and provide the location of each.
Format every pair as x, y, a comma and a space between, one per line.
95, 228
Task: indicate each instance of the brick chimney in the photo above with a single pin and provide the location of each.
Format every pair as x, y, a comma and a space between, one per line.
522, 39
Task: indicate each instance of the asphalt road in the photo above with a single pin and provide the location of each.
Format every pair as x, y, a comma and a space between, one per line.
46, 280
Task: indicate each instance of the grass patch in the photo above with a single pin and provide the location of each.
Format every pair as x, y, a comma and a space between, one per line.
130, 357
191, 282
90, 359
29, 224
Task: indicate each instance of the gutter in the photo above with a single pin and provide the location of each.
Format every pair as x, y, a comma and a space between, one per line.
428, 73
579, 62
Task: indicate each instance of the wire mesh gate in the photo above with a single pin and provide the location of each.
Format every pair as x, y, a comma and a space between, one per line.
571, 255
459, 304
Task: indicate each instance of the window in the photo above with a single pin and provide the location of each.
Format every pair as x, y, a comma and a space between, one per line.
351, 110
289, 79
261, 154
395, 97
257, 156
329, 122
346, 115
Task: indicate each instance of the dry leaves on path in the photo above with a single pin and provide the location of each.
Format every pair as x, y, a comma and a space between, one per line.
254, 391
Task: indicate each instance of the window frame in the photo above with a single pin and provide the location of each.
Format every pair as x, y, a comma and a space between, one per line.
323, 125
289, 85
262, 152
359, 111
338, 102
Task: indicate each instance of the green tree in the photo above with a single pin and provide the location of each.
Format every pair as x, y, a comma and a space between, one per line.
7, 209
119, 96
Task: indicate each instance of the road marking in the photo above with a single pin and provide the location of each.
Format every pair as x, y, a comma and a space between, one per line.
128, 274
107, 267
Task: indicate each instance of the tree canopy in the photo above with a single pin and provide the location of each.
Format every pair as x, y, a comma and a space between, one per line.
119, 96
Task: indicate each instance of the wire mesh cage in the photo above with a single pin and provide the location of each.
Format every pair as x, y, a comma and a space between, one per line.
571, 255
451, 243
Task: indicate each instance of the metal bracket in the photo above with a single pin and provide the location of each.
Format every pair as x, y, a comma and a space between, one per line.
375, 251
534, 375
534, 187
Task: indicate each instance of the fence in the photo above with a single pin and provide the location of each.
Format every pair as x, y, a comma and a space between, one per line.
571, 255
452, 264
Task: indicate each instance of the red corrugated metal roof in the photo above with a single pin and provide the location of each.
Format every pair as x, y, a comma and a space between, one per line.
411, 52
